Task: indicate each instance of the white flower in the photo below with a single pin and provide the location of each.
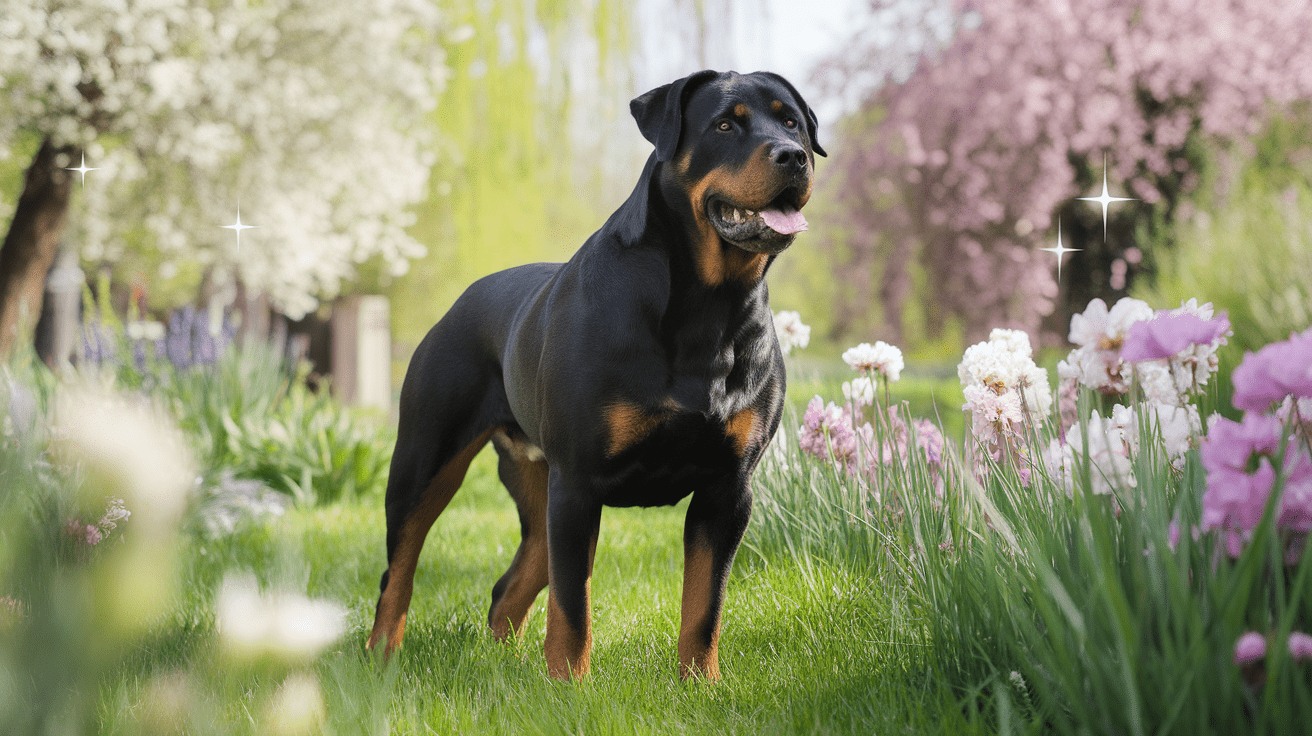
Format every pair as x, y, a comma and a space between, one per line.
791, 332
297, 708
1111, 445
115, 512
1017, 341
880, 357
1099, 334
285, 625
860, 391
996, 366
129, 450
1177, 426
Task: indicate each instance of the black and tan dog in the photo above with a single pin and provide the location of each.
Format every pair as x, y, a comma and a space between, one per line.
643, 370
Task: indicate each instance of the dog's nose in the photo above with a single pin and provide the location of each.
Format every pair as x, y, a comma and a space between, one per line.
789, 156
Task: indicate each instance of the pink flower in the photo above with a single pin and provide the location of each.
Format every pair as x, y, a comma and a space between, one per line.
1278, 370
1238, 457
827, 433
1300, 646
1166, 335
1250, 647
930, 440
87, 533
1231, 445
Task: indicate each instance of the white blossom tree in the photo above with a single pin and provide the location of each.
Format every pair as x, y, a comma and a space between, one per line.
311, 115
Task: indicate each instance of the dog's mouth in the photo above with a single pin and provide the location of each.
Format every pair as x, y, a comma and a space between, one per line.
768, 230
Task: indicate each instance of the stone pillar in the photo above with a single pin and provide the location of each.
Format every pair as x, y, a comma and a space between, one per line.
362, 352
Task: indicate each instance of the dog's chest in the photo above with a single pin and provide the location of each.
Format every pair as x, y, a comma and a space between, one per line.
676, 453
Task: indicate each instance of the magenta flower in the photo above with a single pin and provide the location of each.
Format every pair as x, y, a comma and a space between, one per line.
1250, 647
1300, 646
1167, 335
1278, 370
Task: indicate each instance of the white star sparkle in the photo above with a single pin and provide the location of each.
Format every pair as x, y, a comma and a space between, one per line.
238, 227
1104, 200
83, 169
1060, 250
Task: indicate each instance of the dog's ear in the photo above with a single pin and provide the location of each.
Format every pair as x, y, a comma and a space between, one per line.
811, 122
660, 112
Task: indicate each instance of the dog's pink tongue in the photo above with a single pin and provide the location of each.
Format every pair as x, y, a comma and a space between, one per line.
785, 222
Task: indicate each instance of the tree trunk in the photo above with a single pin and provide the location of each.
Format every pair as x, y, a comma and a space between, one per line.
30, 245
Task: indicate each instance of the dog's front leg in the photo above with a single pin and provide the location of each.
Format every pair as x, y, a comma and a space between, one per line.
717, 518
573, 518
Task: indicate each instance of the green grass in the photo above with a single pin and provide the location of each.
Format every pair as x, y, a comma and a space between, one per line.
993, 607
823, 647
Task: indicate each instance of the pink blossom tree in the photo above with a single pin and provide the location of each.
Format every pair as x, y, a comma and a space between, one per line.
959, 164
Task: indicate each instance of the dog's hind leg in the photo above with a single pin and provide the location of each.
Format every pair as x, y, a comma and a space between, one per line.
523, 470
450, 405
410, 514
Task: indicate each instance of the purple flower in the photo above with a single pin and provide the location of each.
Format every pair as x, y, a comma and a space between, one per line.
1250, 647
1278, 370
1166, 335
1300, 646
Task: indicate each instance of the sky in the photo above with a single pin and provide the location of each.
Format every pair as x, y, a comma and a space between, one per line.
782, 36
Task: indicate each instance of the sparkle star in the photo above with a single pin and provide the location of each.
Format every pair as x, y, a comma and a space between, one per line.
1060, 250
83, 169
1104, 199
238, 227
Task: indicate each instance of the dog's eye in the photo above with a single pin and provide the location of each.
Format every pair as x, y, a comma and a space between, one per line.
790, 123
724, 126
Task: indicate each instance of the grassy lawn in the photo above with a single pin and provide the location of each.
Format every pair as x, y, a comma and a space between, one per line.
918, 594
822, 647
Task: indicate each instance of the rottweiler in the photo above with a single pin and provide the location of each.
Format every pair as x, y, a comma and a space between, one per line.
643, 370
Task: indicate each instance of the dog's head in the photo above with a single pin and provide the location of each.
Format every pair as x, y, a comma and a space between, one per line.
742, 146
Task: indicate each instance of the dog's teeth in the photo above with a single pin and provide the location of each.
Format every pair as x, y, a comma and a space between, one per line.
737, 216
750, 213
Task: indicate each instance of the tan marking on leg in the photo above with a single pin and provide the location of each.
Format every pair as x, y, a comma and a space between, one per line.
529, 571
696, 657
389, 622
569, 652
741, 428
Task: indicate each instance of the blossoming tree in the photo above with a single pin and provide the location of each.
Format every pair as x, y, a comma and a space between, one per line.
958, 166
310, 117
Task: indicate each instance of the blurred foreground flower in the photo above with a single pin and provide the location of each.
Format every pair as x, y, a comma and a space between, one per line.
1244, 459
126, 449
790, 331
297, 708
1250, 647
286, 626
1300, 646
1278, 370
